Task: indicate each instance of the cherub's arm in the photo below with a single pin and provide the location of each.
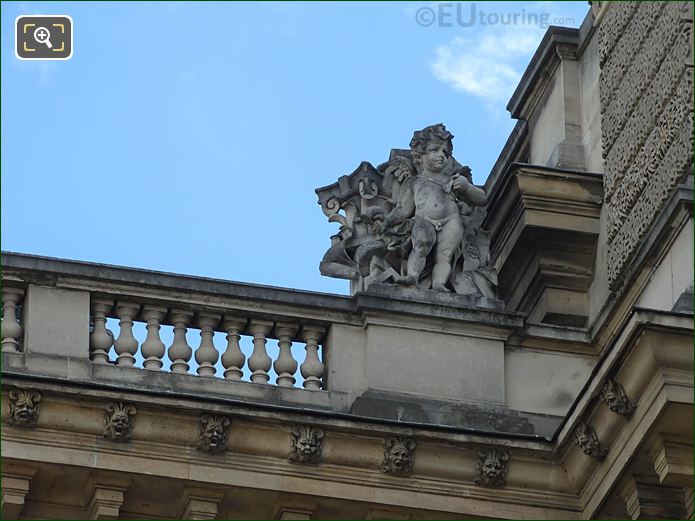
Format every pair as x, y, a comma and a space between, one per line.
464, 189
405, 206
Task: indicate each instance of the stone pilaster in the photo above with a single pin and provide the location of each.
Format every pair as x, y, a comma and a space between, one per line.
15, 487
646, 499
106, 497
200, 503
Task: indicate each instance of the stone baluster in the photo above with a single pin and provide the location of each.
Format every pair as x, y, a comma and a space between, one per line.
206, 355
285, 366
126, 344
100, 339
179, 351
260, 362
153, 348
312, 368
233, 359
11, 330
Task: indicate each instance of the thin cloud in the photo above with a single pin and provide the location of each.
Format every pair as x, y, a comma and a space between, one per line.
489, 66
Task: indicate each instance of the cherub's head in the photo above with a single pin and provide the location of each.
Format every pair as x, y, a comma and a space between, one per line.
431, 148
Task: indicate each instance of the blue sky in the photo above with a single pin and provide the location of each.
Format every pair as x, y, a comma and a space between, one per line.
189, 137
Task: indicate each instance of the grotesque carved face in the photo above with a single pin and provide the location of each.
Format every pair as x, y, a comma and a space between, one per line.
120, 423
398, 455
24, 407
306, 444
213, 433
435, 156
492, 467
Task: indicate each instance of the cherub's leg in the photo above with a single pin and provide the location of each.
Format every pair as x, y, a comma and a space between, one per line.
423, 237
448, 239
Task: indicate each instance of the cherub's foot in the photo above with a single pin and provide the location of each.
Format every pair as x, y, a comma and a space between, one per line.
409, 280
440, 287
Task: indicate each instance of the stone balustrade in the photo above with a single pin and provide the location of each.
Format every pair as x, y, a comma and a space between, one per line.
144, 327
205, 359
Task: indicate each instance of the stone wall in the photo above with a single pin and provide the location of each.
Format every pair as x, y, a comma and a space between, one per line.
646, 97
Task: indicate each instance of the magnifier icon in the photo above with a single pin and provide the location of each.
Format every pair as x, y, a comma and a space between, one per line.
43, 35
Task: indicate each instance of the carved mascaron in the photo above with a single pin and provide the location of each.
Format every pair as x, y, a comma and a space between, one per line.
588, 441
119, 420
214, 433
24, 407
492, 467
614, 396
413, 221
306, 444
399, 454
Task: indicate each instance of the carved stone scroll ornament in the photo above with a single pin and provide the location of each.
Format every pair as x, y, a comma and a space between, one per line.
613, 394
306, 442
24, 407
588, 441
214, 433
399, 454
414, 220
492, 467
119, 420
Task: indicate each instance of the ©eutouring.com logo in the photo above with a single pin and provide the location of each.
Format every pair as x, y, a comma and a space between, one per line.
43, 37
450, 14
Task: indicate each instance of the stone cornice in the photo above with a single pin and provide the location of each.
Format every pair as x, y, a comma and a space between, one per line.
539, 71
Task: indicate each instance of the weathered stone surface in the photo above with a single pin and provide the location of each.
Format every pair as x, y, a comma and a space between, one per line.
646, 92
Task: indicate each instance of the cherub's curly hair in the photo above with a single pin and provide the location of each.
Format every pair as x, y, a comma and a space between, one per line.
420, 139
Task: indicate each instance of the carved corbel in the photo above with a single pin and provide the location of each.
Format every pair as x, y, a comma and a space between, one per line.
613, 395
588, 441
214, 433
399, 454
492, 467
119, 421
306, 442
24, 407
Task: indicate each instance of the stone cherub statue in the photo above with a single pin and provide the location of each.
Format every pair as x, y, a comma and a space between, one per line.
413, 221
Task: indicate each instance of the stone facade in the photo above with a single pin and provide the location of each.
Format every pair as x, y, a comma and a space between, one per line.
568, 393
